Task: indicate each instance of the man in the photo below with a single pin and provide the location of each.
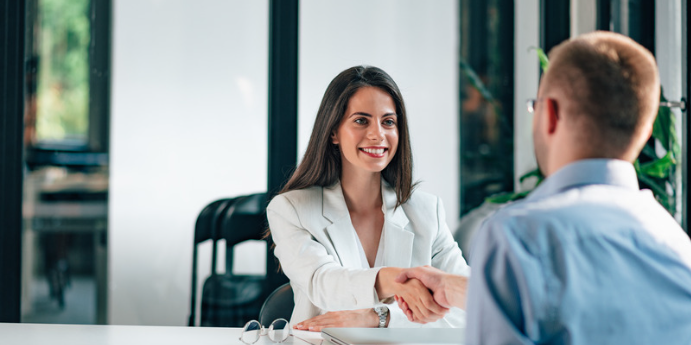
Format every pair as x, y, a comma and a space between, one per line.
587, 257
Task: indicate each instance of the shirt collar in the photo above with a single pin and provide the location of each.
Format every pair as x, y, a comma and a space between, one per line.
586, 172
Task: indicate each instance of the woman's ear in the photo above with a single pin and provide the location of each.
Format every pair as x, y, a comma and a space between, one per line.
334, 138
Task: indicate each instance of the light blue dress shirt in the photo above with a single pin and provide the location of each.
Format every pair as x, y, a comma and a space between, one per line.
586, 258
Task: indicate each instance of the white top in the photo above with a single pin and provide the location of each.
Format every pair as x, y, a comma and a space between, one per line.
379, 259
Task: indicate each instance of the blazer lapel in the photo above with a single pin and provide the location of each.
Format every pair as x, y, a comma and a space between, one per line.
341, 231
398, 242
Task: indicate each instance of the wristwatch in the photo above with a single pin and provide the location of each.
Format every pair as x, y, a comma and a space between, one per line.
382, 312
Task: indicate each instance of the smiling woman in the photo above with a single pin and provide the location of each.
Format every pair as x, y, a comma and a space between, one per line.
348, 219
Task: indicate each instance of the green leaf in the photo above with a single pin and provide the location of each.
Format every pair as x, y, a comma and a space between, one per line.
663, 124
533, 173
503, 198
475, 81
544, 60
659, 168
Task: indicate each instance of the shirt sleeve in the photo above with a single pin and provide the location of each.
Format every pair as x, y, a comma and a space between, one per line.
498, 294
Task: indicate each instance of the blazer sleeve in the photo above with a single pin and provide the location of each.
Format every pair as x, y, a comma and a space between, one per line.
310, 268
446, 255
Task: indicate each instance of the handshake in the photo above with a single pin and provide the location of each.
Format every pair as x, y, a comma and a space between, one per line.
430, 293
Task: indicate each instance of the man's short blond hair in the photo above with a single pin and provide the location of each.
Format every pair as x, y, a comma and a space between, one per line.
611, 81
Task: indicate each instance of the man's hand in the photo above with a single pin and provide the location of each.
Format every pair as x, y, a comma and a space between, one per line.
448, 290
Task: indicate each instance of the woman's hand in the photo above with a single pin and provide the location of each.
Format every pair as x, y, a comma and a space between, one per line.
420, 305
346, 318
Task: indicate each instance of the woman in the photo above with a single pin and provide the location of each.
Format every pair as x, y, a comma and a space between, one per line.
348, 220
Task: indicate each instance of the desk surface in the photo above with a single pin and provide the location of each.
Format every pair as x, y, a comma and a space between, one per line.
40, 334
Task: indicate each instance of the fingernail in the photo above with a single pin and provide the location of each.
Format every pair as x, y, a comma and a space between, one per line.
311, 328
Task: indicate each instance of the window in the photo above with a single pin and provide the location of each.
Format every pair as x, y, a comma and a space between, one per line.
61, 49
486, 100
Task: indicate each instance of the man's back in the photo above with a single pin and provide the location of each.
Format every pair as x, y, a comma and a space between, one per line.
587, 258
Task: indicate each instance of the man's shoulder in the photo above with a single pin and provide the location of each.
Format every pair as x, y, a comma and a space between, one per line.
578, 213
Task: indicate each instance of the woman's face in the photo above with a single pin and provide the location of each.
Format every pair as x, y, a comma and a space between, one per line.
368, 134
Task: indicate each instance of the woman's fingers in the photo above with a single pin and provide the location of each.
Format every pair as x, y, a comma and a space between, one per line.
421, 302
346, 318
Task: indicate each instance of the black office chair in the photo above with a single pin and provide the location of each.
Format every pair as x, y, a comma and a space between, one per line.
206, 228
229, 300
279, 304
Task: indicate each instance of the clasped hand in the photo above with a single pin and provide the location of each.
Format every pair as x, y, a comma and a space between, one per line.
448, 290
420, 305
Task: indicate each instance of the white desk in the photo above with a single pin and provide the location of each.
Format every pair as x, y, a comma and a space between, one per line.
48, 334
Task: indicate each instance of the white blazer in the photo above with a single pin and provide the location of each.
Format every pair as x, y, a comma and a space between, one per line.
317, 247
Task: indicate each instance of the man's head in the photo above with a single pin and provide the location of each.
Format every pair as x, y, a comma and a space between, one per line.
598, 99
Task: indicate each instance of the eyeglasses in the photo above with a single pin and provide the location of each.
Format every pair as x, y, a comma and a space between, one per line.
278, 331
530, 104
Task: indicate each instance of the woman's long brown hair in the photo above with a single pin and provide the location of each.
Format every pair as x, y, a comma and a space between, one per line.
321, 165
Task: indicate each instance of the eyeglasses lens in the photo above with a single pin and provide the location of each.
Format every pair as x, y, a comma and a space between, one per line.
251, 332
279, 330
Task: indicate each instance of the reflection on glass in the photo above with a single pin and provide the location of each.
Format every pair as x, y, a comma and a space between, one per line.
486, 86
63, 78
65, 191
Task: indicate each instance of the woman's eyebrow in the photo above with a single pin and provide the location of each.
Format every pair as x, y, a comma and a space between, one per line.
360, 113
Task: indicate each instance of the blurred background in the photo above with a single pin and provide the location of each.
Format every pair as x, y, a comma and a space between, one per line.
138, 114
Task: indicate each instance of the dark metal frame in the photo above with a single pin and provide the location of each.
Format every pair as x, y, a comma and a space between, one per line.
604, 14
12, 88
283, 110
555, 20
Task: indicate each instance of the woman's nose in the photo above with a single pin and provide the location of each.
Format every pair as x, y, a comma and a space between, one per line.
376, 132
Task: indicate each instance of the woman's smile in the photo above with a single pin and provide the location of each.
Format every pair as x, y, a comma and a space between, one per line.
374, 151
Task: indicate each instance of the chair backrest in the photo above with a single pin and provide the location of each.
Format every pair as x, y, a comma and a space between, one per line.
279, 304
233, 219
206, 228
207, 221
242, 221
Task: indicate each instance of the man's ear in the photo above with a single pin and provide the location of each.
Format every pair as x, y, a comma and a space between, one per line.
552, 115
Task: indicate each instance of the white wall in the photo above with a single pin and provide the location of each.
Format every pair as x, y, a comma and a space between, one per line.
526, 76
189, 117
416, 42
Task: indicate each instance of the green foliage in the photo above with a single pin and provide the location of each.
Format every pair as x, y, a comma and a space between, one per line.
544, 60
475, 81
63, 79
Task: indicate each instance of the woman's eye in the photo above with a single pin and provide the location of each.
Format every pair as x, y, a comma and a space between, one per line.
361, 121
389, 122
